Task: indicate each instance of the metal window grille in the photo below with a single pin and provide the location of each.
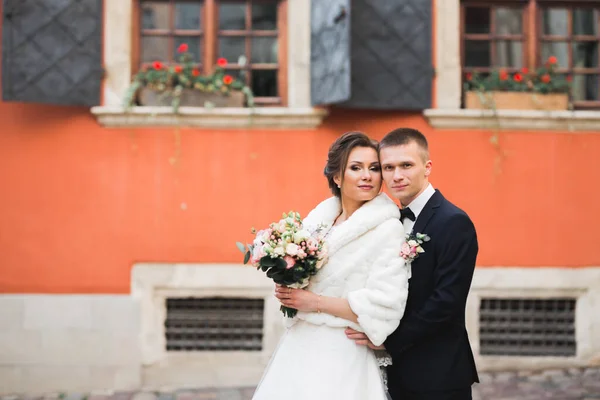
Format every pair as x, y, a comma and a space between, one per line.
527, 327
214, 324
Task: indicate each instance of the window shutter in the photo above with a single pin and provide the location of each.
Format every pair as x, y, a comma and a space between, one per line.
330, 51
391, 54
51, 51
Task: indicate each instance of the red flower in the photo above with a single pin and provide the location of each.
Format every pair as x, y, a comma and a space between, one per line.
178, 69
552, 60
221, 62
546, 78
518, 77
227, 79
524, 70
469, 76
183, 47
157, 65
503, 75
195, 72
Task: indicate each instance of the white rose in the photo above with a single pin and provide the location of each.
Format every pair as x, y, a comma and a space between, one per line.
292, 249
279, 251
301, 236
267, 249
412, 243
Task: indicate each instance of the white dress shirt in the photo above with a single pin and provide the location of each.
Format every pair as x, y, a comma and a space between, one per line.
416, 206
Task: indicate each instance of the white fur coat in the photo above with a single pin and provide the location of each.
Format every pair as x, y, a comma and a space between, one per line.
364, 266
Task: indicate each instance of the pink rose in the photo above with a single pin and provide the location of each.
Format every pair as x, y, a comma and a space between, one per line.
312, 244
289, 261
405, 249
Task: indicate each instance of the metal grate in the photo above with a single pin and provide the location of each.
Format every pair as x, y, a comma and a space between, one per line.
527, 327
214, 324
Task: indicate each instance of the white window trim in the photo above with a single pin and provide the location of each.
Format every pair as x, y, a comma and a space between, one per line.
449, 115
537, 282
152, 284
117, 62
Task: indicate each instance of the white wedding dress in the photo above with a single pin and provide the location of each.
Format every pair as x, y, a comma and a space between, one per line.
318, 362
314, 359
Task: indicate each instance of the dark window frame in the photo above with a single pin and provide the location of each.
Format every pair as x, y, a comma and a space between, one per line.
532, 37
210, 33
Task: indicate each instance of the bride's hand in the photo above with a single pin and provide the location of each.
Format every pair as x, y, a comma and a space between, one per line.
301, 300
361, 339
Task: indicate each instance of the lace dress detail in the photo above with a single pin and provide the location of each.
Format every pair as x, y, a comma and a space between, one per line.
383, 360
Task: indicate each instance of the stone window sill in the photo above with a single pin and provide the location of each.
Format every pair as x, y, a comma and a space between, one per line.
571, 121
198, 117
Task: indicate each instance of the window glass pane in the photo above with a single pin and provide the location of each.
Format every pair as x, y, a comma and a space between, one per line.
585, 21
585, 54
155, 15
187, 16
194, 47
555, 21
264, 50
560, 50
264, 83
264, 16
509, 54
155, 48
232, 16
477, 53
509, 21
586, 87
477, 20
238, 74
233, 49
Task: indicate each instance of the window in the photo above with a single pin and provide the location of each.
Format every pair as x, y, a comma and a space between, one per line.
523, 34
250, 34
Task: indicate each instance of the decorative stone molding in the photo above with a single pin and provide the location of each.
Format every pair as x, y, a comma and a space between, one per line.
447, 54
567, 121
117, 62
152, 284
537, 282
267, 117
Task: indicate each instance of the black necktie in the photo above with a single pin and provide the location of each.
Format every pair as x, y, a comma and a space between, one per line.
406, 213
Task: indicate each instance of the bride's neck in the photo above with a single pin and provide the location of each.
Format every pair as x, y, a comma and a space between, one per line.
349, 206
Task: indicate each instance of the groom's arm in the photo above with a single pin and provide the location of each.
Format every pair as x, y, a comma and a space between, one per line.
453, 274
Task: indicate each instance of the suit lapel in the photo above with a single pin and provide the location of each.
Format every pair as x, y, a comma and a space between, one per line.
428, 211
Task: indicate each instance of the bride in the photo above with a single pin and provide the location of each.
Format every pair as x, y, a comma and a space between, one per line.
363, 285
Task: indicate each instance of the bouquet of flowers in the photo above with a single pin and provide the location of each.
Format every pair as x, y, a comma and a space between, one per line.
287, 252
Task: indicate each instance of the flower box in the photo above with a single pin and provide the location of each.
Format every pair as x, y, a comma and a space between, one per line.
516, 101
191, 98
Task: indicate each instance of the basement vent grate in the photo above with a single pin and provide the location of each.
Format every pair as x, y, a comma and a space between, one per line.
214, 324
527, 327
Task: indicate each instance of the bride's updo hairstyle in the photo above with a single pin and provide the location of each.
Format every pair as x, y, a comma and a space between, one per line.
339, 152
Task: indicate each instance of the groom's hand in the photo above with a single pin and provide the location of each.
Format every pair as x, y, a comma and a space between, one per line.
361, 339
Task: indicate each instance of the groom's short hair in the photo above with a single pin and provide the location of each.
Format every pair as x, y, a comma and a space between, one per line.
403, 136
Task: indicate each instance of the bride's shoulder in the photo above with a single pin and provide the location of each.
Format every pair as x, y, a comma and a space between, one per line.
325, 212
382, 208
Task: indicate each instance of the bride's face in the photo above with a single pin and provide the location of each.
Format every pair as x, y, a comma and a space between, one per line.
362, 176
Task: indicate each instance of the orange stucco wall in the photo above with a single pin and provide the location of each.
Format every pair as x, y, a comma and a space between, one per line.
80, 204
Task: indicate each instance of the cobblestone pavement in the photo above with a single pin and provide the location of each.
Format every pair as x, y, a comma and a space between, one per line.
571, 384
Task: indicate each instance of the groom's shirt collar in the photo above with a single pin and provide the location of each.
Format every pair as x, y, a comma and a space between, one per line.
418, 204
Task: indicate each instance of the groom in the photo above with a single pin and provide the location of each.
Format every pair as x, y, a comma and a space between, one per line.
432, 358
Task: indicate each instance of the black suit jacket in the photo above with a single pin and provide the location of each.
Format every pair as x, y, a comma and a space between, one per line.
430, 349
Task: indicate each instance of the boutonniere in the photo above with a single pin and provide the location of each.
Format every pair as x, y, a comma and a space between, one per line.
412, 247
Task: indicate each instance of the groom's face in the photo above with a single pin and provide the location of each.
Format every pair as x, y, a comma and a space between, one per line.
405, 170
